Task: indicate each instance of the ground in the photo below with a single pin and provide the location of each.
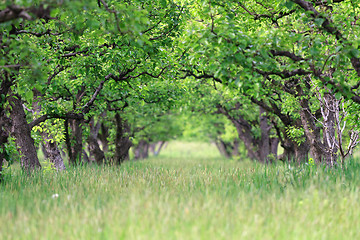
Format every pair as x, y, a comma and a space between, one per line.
188, 192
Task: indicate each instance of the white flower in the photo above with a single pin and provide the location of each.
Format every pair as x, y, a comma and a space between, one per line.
55, 195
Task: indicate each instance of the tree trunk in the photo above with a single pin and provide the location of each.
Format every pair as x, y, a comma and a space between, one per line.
103, 137
49, 146
264, 145
155, 148
95, 152
122, 141
85, 157
142, 150
221, 146
292, 151
52, 151
244, 133
235, 148
4, 124
74, 142
312, 131
274, 144
21, 131
329, 138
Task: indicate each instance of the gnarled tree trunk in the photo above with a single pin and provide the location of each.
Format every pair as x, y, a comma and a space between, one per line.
103, 137
311, 130
5, 122
329, 109
21, 131
52, 151
223, 149
96, 154
264, 143
74, 141
156, 147
50, 148
122, 141
142, 150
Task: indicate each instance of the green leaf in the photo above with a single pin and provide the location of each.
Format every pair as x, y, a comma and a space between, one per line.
355, 53
319, 21
338, 95
29, 96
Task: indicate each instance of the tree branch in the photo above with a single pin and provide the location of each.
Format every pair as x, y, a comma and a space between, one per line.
45, 117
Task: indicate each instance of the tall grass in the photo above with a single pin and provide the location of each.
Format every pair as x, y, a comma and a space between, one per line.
188, 192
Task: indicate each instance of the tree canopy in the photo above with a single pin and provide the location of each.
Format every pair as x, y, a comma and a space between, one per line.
97, 78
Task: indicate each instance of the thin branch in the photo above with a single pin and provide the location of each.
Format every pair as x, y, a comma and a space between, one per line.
87, 106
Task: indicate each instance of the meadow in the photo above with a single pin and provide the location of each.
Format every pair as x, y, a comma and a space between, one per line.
188, 192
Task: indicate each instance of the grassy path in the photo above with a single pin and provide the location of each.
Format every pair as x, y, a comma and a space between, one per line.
183, 194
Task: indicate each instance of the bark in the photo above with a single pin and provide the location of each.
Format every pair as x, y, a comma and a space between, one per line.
96, 154
274, 144
302, 152
292, 151
22, 133
329, 138
142, 150
243, 129
258, 149
122, 140
74, 141
223, 149
43, 149
52, 151
85, 157
312, 131
49, 146
155, 148
5, 122
1, 164
103, 136
235, 150
264, 145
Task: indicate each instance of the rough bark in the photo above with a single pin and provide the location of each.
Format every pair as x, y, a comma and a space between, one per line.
264, 144
274, 144
96, 154
103, 136
235, 149
50, 147
21, 131
74, 141
258, 149
312, 131
294, 152
329, 138
243, 129
52, 151
122, 140
85, 157
5, 122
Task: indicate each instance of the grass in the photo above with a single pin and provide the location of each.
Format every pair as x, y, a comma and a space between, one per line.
188, 192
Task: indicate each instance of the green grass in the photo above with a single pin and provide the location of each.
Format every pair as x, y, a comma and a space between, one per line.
188, 192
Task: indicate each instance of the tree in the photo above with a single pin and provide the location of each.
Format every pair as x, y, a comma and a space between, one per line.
63, 52
270, 50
